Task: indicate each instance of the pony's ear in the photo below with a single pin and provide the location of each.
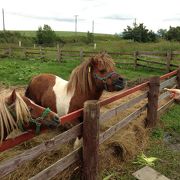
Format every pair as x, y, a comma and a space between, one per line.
11, 99
93, 61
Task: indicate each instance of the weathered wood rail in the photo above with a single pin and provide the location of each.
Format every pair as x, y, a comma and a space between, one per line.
165, 61
6, 52
92, 138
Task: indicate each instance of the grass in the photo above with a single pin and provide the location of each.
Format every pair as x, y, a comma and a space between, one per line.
106, 42
19, 72
60, 33
168, 162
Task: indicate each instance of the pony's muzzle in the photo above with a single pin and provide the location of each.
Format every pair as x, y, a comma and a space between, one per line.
119, 83
55, 122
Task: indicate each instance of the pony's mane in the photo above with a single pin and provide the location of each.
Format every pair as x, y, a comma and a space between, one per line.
22, 111
7, 121
80, 77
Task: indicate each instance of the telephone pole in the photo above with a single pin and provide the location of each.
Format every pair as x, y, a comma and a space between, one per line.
93, 26
135, 23
3, 19
76, 24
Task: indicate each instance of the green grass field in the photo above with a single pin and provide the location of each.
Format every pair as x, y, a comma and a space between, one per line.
19, 72
106, 42
60, 33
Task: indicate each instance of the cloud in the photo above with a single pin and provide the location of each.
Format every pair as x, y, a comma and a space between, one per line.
45, 17
172, 19
176, 17
118, 17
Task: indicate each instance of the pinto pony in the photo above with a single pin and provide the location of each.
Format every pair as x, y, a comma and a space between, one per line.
87, 82
16, 111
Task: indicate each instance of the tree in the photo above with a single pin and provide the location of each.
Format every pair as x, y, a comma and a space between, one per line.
45, 35
90, 37
139, 33
173, 33
162, 33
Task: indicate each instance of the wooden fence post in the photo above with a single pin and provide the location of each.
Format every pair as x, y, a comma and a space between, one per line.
136, 53
81, 55
10, 51
25, 52
152, 108
58, 53
168, 61
40, 53
178, 78
91, 140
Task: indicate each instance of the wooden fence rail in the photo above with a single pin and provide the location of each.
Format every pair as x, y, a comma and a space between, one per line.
59, 166
34, 152
91, 136
166, 61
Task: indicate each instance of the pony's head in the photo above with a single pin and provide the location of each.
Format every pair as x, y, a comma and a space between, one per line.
98, 71
16, 109
103, 72
26, 108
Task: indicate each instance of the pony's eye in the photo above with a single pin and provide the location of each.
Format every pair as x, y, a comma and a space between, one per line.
102, 71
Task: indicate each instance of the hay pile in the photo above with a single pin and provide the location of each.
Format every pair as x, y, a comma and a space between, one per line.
123, 145
129, 140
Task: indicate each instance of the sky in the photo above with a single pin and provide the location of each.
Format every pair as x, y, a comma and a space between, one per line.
109, 16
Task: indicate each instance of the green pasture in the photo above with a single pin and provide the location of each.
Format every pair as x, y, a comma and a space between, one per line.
60, 33
104, 42
19, 72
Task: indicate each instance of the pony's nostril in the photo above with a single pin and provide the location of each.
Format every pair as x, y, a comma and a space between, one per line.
120, 79
56, 119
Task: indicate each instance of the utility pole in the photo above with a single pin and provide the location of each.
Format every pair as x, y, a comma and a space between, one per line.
3, 19
93, 33
135, 23
93, 26
76, 24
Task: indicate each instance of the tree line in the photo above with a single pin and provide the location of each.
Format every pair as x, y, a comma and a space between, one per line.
140, 33
46, 36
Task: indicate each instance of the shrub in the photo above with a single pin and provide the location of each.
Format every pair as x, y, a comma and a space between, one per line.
173, 33
139, 33
45, 35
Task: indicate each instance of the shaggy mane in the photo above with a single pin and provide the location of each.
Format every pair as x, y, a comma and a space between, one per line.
7, 121
80, 77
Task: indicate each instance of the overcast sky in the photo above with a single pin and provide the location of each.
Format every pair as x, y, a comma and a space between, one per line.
110, 16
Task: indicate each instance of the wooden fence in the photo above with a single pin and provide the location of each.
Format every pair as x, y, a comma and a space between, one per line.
152, 91
167, 61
